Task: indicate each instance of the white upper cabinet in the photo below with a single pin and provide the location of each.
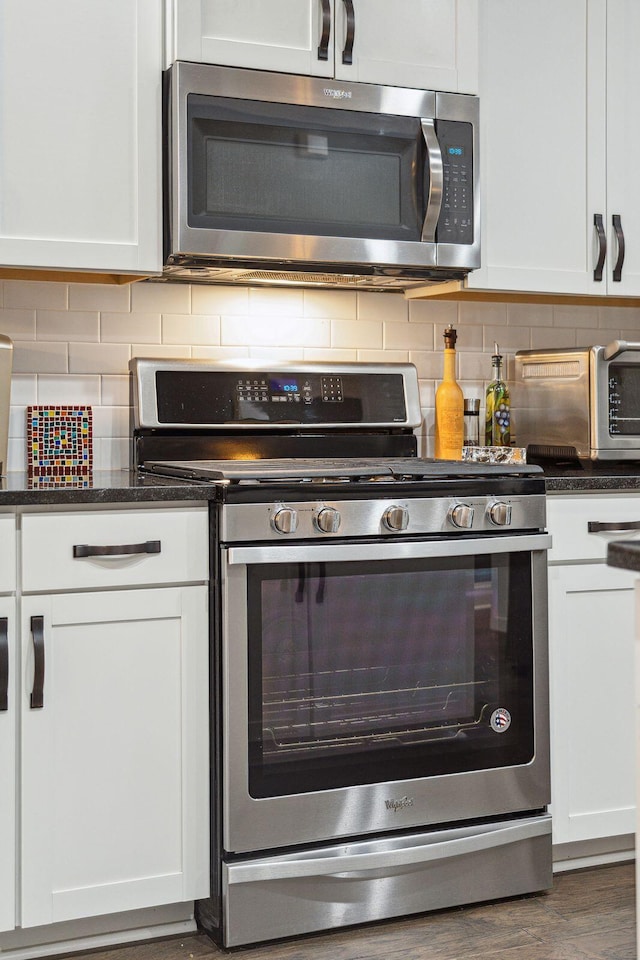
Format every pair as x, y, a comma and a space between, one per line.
560, 134
80, 135
432, 44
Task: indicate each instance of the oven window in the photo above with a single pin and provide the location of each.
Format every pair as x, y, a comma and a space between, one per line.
361, 672
624, 399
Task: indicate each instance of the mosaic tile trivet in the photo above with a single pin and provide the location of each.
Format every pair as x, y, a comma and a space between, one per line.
59, 441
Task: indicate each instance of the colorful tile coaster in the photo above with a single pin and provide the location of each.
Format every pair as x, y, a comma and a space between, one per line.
59, 442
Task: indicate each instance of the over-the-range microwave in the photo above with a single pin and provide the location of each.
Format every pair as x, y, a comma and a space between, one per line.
279, 178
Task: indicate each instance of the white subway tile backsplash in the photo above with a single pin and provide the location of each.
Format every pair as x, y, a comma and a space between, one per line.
99, 357
150, 297
18, 324
100, 296
68, 389
73, 341
35, 295
40, 357
330, 304
383, 307
130, 327
217, 300
366, 334
114, 390
67, 325
185, 328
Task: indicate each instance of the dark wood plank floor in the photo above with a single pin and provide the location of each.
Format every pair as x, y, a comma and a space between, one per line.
589, 915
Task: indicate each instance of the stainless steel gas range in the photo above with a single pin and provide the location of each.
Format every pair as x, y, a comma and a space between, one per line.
379, 704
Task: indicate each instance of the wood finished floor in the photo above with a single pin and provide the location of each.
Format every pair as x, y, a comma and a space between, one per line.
589, 915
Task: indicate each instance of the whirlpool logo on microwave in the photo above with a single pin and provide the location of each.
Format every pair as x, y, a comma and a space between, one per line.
397, 805
337, 94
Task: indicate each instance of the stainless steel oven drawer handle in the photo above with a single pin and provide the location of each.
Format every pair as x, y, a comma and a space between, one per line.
611, 526
326, 553
434, 200
115, 550
277, 869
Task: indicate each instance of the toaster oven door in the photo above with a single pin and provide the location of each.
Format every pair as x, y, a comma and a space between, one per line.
615, 403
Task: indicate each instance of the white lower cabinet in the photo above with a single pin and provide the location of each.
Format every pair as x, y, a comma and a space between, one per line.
8, 686
591, 631
114, 752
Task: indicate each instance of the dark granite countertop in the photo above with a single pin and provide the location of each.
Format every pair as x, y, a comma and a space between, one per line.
624, 554
586, 476
109, 486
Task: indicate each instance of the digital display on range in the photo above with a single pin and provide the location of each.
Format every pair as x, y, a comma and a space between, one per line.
283, 386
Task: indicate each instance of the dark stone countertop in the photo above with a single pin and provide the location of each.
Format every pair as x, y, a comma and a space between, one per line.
624, 554
109, 486
583, 477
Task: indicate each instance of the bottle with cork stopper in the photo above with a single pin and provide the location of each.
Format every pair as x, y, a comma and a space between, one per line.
449, 405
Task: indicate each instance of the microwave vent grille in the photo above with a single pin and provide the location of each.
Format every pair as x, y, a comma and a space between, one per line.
546, 371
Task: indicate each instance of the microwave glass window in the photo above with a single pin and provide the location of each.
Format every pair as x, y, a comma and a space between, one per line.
624, 399
286, 169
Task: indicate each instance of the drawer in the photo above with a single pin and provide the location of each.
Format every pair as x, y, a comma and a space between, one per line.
65, 550
568, 521
7, 553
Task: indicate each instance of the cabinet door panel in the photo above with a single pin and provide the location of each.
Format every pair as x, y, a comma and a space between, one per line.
591, 617
115, 764
432, 46
281, 35
8, 767
80, 134
542, 144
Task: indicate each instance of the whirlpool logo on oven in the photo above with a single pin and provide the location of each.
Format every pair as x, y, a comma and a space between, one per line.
397, 805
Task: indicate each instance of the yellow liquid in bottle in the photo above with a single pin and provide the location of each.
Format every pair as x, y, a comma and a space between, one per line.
449, 412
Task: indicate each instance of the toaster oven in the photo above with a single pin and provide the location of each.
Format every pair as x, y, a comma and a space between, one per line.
579, 402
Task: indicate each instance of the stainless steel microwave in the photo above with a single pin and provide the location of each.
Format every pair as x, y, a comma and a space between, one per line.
278, 178
579, 402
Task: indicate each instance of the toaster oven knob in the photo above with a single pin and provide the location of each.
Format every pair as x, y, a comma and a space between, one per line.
461, 515
328, 520
396, 518
499, 513
285, 520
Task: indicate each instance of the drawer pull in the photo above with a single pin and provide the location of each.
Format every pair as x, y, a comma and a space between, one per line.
4, 663
37, 693
125, 549
598, 526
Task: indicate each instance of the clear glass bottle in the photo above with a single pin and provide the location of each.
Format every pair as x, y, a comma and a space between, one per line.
471, 422
498, 406
449, 405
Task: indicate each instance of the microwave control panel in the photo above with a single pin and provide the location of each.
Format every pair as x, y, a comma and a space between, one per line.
455, 224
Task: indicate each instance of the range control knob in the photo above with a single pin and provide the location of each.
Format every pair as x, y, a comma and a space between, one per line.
461, 515
396, 518
499, 513
327, 520
285, 520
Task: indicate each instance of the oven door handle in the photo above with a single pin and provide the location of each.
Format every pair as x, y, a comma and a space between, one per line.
403, 550
343, 863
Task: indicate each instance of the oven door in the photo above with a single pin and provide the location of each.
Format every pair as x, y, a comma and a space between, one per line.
380, 686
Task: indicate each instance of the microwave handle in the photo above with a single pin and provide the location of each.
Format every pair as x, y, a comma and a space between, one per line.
616, 347
434, 200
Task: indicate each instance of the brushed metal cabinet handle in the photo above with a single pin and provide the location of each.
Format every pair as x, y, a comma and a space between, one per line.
616, 220
602, 246
323, 49
611, 526
347, 53
4, 663
115, 550
37, 692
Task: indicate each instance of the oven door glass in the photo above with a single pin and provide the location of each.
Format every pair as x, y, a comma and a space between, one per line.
284, 168
624, 399
368, 671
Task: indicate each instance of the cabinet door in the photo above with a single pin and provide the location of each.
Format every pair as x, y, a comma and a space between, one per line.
432, 45
8, 686
591, 634
115, 762
281, 35
623, 143
542, 134
80, 134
